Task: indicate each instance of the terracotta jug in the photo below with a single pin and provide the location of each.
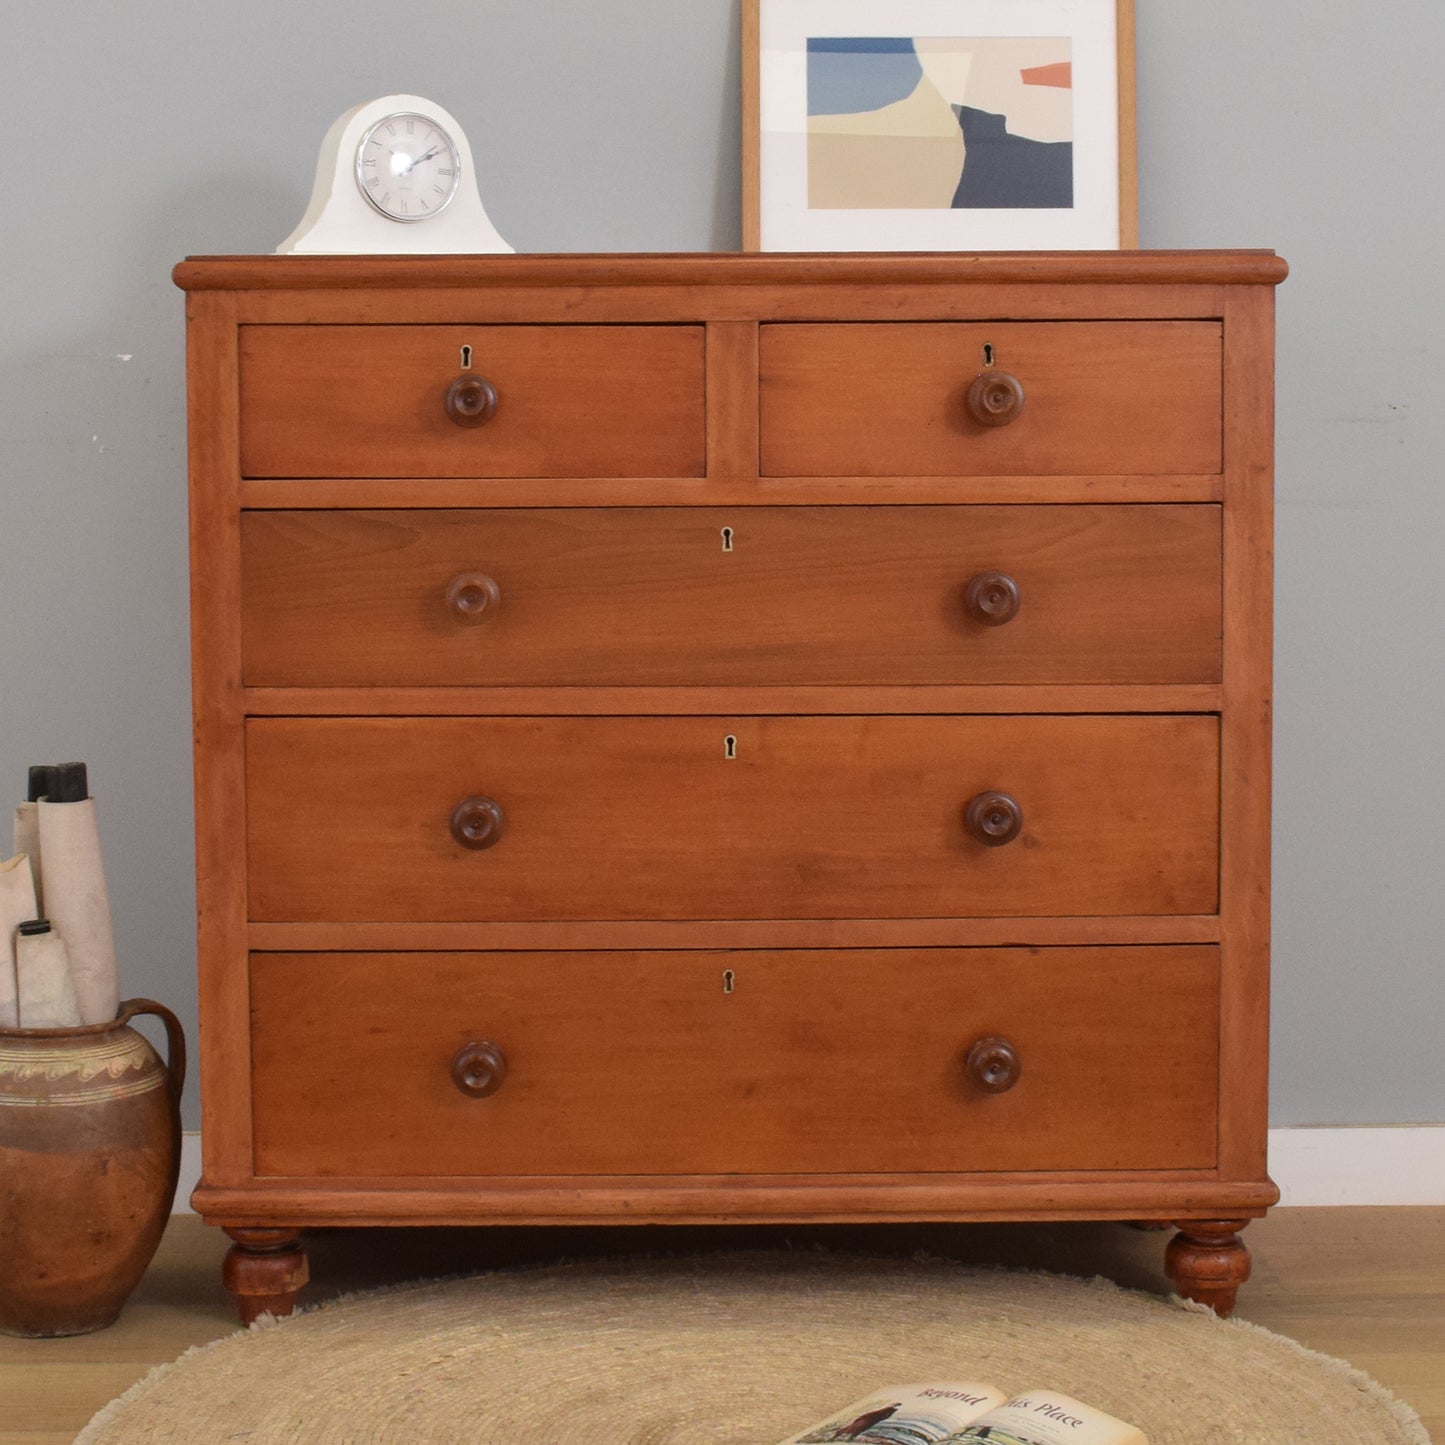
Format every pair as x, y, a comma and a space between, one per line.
90, 1135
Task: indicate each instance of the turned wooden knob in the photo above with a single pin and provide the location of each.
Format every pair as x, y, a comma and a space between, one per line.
472, 596
993, 818
479, 1069
993, 1065
477, 822
995, 398
471, 400
992, 598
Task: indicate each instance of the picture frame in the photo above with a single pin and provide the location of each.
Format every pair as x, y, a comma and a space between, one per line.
848, 142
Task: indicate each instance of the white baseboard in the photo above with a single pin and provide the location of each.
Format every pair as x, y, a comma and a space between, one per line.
1386, 1164
190, 1171
1402, 1164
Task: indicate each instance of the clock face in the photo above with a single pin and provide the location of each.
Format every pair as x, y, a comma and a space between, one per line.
408, 167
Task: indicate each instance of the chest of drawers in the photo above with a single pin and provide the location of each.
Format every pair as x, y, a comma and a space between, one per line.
732, 738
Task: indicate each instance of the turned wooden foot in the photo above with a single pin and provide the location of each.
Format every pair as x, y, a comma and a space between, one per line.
1206, 1262
264, 1270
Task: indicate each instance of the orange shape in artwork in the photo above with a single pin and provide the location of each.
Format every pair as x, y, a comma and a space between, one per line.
1060, 74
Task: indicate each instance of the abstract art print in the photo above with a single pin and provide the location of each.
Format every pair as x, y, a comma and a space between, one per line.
938, 125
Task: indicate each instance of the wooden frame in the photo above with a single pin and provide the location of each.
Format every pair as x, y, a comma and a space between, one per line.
937, 229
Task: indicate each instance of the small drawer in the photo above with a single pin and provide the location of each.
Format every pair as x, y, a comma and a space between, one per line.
831, 1061
747, 595
564, 401
521, 818
898, 399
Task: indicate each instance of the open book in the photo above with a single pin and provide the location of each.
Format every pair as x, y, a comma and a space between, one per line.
934, 1414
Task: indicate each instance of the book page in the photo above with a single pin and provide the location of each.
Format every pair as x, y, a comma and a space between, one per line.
904, 1415
1045, 1417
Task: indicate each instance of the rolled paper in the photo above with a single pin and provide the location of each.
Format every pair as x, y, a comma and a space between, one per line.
40, 780
17, 903
42, 971
78, 906
27, 841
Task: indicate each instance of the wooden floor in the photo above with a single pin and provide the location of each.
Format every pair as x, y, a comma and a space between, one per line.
1367, 1285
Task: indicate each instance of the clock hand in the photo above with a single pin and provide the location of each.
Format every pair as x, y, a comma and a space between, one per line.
412, 162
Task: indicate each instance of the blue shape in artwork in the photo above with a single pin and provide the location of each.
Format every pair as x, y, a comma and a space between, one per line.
848, 74
860, 44
1008, 172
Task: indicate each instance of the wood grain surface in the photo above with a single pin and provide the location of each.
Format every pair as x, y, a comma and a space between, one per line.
699, 596
1247, 728
348, 819
326, 401
380, 275
663, 1063
696, 622
890, 399
216, 709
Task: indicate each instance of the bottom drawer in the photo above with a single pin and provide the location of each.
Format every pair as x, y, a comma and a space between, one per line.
816, 1061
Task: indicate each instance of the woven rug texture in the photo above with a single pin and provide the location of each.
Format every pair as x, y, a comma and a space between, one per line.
737, 1350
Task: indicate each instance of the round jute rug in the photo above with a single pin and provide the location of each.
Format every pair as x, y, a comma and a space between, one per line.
737, 1350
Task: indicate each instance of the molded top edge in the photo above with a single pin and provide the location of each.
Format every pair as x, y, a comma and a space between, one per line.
266, 273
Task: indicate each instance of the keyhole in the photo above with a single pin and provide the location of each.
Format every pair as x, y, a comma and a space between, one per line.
730, 747
988, 353
728, 977
727, 536
466, 358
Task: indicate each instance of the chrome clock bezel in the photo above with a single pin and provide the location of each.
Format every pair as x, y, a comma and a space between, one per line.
451, 148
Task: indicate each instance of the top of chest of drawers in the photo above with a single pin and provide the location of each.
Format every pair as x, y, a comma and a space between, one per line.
614, 366
411, 273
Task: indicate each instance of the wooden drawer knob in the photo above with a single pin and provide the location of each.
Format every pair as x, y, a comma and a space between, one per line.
993, 818
995, 398
472, 596
471, 400
478, 1070
478, 821
993, 1065
992, 598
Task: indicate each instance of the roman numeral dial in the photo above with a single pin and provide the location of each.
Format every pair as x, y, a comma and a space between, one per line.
408, 167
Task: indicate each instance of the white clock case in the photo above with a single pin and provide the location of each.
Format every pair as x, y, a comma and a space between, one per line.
340, 221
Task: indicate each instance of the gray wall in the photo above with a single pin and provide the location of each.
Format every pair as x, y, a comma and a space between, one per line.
141, 132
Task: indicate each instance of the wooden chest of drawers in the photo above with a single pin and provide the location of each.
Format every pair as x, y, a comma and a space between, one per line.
724, 738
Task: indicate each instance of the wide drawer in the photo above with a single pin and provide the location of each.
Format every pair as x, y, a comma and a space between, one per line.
571, 401
891, 399
525, 818
745, 595
700, 1063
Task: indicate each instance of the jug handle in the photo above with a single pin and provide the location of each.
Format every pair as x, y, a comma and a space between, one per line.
175, 1036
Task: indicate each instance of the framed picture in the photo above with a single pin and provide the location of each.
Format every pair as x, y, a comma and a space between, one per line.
938, 125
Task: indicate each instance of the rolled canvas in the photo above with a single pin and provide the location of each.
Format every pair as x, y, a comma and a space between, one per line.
27, 841
47, 993
17, 904
78, 906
